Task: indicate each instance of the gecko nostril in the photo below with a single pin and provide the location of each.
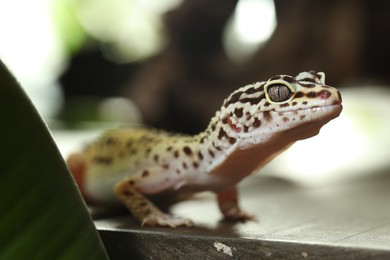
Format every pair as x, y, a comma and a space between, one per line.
324, 94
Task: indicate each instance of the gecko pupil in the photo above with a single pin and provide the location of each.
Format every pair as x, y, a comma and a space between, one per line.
279, 92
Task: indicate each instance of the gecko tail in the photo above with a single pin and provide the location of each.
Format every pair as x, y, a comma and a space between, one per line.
76, 164
78, 167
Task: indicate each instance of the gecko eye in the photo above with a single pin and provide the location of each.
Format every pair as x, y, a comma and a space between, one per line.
279, 92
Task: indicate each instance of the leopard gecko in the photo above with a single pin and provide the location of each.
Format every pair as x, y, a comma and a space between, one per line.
255, 123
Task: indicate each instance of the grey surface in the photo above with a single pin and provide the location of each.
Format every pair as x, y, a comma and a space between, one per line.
346, 220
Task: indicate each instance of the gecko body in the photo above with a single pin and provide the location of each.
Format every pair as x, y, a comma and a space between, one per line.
254, 124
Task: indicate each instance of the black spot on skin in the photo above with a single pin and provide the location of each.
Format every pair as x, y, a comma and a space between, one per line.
252, 90
147, 151
213, 127
185, 166
178, 171
248, 116
299, 94
294, 103
225, 120
232, 140
267, 116
302, 117
145, 173
169, 148
155, 157
261, 88
304, 103
246, 128
195, 164
103, 159
176, 154
131, 182
311, 94
257, 123
238, 112
285, 119
253, 101
211, 153
285, 105
308, 85
289, 79
236, 97
267, 104
221, 134
307, 80
187, 150
111, 141
166, 166
216, 147
233, 99
200, 155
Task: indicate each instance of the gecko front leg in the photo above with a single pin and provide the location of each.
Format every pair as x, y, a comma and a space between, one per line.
228, 205
141, 207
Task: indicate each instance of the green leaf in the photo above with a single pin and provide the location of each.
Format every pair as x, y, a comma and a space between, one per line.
42, 215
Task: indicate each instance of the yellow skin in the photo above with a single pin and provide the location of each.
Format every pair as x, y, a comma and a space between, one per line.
255, 123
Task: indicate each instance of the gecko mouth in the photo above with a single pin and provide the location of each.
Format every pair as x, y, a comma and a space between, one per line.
319, 115
324, 113
337, 108
310, 118
317, 108
331, 110
313, 126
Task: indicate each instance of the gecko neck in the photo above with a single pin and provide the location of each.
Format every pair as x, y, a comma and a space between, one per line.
214, 143
229, 163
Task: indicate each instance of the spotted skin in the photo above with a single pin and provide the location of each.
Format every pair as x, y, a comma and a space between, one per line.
255, 123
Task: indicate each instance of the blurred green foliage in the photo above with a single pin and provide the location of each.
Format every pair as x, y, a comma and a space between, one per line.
42, 214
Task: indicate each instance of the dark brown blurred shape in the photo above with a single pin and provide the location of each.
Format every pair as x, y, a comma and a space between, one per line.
181, 88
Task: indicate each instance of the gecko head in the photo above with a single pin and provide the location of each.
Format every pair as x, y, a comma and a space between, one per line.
295, 106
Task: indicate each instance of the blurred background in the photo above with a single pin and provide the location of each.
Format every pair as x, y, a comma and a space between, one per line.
170, 64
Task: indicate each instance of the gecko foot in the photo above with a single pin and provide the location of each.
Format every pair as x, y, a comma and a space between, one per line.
238, 215
161, 219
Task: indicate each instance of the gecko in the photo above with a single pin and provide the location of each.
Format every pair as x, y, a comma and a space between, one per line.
255, 123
